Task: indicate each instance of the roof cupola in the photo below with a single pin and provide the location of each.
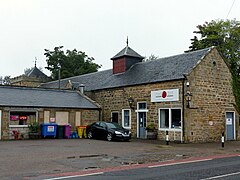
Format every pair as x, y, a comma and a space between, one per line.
123, 60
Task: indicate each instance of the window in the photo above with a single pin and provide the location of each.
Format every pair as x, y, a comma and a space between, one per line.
126, 118
142, 105
62, 118
20, 118
170, 118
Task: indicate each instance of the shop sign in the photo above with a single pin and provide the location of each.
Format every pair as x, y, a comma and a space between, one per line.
165, 95
50, 129
23, 118
14, 117
52, 120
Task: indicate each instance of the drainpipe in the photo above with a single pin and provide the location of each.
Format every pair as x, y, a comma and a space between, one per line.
183, 106
100, 114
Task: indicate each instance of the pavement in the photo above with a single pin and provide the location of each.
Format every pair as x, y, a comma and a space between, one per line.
28, 159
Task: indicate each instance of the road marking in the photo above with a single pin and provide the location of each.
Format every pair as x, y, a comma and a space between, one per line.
221, 176
82, 175
184, 162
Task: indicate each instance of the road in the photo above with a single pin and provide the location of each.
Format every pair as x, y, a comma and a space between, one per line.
199, 169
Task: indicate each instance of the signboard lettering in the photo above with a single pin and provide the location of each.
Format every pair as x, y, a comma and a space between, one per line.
165, 95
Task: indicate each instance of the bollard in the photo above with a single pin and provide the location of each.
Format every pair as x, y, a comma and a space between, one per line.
222, 139
167, 138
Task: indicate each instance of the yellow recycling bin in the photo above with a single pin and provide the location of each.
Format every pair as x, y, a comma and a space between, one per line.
82, 132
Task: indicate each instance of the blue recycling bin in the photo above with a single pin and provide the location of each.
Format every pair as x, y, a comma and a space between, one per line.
49, 129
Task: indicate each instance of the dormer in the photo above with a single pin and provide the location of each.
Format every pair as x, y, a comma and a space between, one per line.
123, 60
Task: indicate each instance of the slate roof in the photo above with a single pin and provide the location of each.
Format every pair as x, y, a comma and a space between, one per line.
127, 51
164, 69
35, 72
36, 97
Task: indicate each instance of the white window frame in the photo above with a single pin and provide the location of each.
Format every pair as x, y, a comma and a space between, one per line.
130, 119
170, 120
140, 103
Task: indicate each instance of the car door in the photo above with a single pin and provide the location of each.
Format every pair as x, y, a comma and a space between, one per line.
95, 130
102, 130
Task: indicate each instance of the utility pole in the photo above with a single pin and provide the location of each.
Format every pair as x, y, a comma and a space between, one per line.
59, 76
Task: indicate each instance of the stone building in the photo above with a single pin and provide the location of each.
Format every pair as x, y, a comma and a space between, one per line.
21, 106
33, 79
188, 95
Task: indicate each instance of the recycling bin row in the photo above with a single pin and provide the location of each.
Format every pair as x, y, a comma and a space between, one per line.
56, 131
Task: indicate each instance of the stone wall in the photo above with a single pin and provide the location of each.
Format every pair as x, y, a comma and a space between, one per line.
87, 117
117, 99
212, 96
24, 80
204, 121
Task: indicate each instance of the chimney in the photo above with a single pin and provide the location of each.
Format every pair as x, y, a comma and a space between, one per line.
81, 88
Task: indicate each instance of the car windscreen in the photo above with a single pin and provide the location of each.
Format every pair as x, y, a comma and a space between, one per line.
113, 125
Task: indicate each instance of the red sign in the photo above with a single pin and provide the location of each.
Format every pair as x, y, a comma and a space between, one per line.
23, 118
164, 94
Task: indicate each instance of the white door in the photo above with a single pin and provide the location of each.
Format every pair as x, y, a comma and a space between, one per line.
0, 124
230, 125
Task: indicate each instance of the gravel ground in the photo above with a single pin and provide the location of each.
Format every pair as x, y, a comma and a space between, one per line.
21, 159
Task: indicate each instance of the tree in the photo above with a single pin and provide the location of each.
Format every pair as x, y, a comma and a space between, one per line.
152, 57
6, 80
71, 63
225, 35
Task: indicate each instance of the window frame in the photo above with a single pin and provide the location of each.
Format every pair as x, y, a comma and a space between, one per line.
19, 110
169, 119
141, 102
130, 119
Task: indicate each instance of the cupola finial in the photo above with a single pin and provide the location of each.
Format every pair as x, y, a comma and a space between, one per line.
127, 40
35, 61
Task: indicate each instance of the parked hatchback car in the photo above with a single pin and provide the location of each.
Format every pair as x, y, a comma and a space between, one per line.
108, 130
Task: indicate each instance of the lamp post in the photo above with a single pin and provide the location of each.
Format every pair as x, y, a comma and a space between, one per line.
59, 75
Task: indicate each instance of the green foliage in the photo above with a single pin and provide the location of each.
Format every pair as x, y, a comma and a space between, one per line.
6, 80
34, 127
71, 63
151, 126
225, 35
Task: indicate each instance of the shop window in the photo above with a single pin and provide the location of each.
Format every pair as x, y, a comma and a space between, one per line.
126, 118
19, 118
170, 118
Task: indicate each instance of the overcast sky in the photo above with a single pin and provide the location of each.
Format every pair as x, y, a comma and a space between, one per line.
100, 28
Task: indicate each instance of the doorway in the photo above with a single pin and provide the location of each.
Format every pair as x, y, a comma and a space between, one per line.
115, 117
230, 126
0, 124
142, 125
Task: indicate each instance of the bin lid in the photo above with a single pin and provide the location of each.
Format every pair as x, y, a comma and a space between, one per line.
49, 124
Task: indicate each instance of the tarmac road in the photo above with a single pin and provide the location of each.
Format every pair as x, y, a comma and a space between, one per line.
28, 159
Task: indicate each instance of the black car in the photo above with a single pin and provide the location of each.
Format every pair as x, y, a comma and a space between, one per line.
108, 131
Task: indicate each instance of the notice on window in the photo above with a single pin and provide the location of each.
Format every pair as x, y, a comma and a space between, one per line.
50, 129
229, 121
165, 95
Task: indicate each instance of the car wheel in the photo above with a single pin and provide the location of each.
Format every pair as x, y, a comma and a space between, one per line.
109, 136
90, 136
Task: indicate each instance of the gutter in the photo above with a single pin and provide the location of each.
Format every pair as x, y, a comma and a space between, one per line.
183, 107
